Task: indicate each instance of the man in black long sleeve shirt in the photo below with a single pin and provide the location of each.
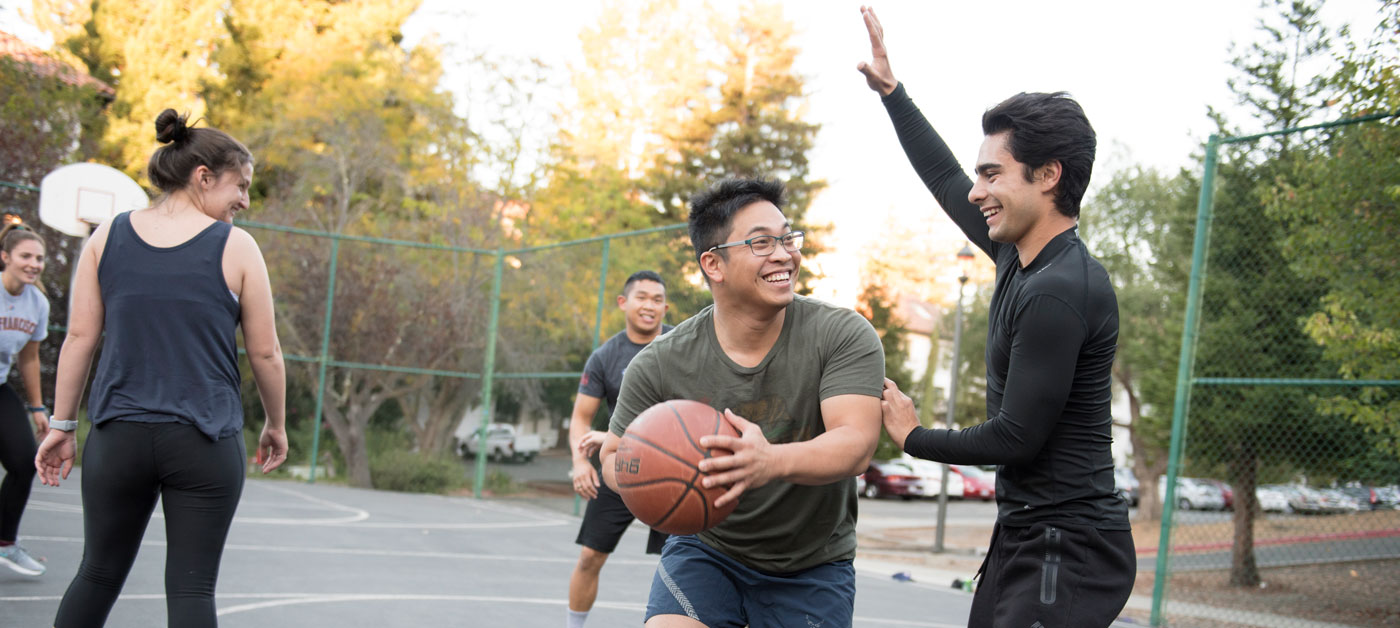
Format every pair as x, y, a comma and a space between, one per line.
1062, 552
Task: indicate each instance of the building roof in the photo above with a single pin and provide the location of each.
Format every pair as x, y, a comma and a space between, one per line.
919, 317
45, 64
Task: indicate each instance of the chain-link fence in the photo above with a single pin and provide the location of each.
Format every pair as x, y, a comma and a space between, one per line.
403, 353
1280, 502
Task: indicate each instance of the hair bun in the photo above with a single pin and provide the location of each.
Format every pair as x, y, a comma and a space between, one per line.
170, 127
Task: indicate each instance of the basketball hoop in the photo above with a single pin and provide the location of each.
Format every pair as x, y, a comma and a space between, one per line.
77, 196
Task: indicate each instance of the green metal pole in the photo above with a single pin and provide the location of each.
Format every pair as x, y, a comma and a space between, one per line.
1185, 365
487, 374
597, 330
325, 357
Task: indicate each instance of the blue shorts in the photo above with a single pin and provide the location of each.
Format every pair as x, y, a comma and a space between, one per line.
697, 581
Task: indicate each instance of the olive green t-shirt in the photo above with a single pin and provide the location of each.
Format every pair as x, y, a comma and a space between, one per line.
823, 351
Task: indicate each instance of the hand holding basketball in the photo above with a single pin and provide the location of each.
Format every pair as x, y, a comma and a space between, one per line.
751, 464
657, 472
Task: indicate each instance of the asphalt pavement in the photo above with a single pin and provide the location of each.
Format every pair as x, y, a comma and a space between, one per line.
326, 555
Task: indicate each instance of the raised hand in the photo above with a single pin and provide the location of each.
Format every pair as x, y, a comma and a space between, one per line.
878, 74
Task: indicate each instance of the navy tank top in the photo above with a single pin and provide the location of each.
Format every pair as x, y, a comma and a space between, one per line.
169, 352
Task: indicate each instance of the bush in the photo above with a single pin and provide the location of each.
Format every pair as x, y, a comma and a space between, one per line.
406, 471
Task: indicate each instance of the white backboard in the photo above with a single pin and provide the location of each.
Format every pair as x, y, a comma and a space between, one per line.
76, 196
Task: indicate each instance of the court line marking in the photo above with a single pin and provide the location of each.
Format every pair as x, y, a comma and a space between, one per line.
284, 549
273, 600
356, 517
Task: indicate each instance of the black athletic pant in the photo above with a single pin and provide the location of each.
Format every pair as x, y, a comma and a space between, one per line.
126, 466
17, 450
1054, 576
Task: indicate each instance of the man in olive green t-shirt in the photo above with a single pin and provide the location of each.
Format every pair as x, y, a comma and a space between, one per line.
802, 381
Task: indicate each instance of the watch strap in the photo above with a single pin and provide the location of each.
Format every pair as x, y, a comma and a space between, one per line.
63, 426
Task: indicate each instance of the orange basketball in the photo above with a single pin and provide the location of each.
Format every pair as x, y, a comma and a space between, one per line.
657, 470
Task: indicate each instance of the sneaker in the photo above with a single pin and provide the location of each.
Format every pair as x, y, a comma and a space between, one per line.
14, 557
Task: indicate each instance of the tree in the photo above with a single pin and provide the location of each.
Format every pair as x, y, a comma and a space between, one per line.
1139, 226
50, 115
751, 122
154, 59
353, 137
1342, 226
881, 310
1251, 303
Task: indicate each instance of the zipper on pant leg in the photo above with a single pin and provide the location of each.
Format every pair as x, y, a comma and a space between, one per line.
1050, 569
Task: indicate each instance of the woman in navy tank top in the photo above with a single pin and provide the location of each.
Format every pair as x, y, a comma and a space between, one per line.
165, 289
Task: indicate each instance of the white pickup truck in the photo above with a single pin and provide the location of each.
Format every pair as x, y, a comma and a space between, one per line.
503, 442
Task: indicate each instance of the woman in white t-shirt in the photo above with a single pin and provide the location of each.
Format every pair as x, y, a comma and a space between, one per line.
24, 322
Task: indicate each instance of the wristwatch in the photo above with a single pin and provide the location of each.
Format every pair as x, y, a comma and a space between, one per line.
36, 409
63, 426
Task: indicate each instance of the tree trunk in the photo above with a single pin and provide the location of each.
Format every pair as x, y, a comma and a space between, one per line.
1147, 465
1244, 571
350, 406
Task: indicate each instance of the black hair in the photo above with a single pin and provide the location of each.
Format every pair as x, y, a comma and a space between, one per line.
642, 275
1043, 128
712, 210
189, 148
13, 234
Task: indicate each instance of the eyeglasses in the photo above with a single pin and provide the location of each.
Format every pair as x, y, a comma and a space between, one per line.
764, 245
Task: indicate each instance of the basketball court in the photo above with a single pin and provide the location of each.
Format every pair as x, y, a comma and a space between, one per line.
322, 555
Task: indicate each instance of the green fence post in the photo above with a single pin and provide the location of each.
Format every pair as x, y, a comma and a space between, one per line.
1185, 365
487, 374
325, 357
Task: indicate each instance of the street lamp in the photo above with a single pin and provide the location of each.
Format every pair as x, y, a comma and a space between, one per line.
965, 257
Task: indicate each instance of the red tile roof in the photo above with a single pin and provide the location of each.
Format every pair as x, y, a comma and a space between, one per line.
46, 65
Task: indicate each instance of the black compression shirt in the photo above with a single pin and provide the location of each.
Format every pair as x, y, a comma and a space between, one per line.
1053, 329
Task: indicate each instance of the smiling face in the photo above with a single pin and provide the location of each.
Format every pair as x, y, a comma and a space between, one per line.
644, 304
1011, 205
24, 261
752, 279
227, 194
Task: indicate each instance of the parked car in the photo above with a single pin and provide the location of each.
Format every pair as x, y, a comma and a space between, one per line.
502, 443
1271, 499
895, 478
1338, 501
1125, 484
976, 483
1302, 500
932, 474
1226, 493
1388, 497
1192, 494
1366, 496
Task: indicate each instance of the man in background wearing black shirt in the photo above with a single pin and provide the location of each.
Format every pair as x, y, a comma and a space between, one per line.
643, 301
1062, 550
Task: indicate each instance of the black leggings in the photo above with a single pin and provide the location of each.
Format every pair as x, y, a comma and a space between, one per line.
126, 466
17, 450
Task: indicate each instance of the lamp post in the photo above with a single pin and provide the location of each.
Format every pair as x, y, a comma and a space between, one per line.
964, 260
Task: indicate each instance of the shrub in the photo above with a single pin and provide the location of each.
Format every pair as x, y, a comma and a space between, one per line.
401, 470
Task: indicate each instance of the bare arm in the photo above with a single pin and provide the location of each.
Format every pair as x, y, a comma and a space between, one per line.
583, 441
85, 312
609, 455
28, 360
843, 450
264, 352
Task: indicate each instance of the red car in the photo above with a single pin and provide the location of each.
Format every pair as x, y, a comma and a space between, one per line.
977, 484
892, 477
